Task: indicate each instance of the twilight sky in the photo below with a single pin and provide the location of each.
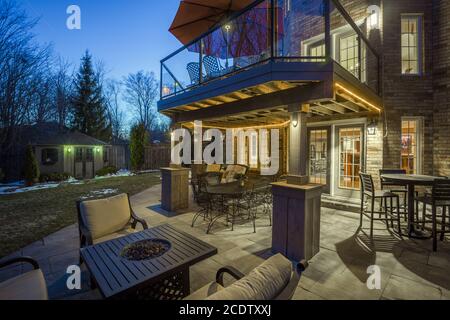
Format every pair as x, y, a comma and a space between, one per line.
127, 35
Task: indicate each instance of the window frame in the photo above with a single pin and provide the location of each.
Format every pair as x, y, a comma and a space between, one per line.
419, 142
420, 44
49, 163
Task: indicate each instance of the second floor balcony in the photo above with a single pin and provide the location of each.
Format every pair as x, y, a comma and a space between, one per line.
275, 45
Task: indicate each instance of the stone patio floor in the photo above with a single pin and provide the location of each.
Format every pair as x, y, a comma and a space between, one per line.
409, 269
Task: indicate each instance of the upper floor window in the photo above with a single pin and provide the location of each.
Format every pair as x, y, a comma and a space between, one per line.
349, 53
412, 37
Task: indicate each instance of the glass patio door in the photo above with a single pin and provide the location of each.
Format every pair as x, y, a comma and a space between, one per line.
319, 157
350, 160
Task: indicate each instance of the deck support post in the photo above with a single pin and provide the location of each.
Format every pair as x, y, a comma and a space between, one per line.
296, 202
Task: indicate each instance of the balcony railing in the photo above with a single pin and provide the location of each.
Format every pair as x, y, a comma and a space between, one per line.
273, 30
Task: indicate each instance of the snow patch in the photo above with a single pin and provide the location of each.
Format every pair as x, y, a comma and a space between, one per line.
97, 193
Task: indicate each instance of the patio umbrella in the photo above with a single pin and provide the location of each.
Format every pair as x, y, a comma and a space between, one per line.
195, 17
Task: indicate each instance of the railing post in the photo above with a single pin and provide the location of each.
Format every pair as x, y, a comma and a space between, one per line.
359, 58
200, 64
326, 9
161, 81
272, 30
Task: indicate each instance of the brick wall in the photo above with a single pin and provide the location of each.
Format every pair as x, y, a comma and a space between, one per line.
441, 86
406, 95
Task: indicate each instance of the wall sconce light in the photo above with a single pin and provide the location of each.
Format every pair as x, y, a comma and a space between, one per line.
373, 20
97, 150
69, 150
295, 120
227, 27
372, 128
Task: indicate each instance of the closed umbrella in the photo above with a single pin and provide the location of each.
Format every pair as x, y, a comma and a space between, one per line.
195, 17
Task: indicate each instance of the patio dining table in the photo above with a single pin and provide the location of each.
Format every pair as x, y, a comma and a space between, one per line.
411, 181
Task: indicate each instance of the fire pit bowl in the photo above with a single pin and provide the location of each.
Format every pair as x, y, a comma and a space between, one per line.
145, 249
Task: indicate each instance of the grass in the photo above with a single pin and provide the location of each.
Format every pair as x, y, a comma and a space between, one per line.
28, 217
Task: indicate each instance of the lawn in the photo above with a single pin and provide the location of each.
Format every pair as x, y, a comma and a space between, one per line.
28, 217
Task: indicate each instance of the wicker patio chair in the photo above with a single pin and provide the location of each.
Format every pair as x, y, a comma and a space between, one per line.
275, 279
27, 286
193, 69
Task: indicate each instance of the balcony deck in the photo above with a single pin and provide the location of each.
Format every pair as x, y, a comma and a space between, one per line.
260, 91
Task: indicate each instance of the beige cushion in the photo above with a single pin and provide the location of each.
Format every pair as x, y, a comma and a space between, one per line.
213, 168
28, 286
205, 292
231, 172
122, 233
265, 282
105, 216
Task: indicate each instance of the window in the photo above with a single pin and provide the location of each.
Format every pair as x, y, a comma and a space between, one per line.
49, 156
317, 50
350, 160
253, 146
349, 54
89, 155
411, 44
78, 154
318, 156
411, 141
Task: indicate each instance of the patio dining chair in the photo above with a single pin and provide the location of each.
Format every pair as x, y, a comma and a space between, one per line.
233, 173
193, 69
105, 219
212, 67
368, 198
439, 198
392, 187
275, 279
27, 286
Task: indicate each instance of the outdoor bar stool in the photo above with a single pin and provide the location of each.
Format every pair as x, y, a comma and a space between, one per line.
368, 193
439, 198
392, 187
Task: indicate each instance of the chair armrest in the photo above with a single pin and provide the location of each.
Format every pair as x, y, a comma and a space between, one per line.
231, 271
137, 220
86, 234
29, 260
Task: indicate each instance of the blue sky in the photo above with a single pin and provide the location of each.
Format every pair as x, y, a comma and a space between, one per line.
127, 35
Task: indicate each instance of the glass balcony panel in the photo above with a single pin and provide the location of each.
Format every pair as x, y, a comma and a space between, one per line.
238, 44
299, 30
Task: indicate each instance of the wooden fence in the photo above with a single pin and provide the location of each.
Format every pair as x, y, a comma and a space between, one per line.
157, 156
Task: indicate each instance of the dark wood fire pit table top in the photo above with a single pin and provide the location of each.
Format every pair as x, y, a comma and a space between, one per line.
165, 277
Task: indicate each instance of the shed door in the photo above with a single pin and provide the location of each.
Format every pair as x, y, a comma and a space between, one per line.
84, 163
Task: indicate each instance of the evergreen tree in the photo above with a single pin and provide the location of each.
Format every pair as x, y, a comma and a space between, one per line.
31, 168
89, 112
138, 140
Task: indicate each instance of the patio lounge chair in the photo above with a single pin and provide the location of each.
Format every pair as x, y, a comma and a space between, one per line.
106, 219
274, 279
27, 286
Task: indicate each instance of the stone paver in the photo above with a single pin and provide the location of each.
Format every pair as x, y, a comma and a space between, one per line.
409, 270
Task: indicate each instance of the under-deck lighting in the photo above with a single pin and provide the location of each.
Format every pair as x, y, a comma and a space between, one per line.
354, 95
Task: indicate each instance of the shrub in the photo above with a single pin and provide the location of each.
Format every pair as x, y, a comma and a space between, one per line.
31, 168
54, 177
138, 141
106, 171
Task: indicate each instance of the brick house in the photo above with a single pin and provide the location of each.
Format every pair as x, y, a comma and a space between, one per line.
353, 85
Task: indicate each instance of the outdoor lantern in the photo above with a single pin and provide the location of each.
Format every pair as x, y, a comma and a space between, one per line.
69, 150
97, 150
227, 27
374, 17
372, 128
295, 120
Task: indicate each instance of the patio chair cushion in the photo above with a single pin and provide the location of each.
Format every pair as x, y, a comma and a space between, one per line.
231, 172
28, 286
105, 216
205, 292
265, 282
213, 168
124, 232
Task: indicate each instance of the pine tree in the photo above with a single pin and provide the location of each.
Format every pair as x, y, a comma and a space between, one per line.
138, 140
31, 168
89, 113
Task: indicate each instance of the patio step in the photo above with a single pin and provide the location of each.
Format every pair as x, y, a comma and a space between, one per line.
341, 203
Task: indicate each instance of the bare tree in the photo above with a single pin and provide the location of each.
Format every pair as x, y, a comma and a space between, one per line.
113, 93
141, 94
63, 91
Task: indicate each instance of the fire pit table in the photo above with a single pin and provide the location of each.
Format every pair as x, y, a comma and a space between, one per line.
149, 265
